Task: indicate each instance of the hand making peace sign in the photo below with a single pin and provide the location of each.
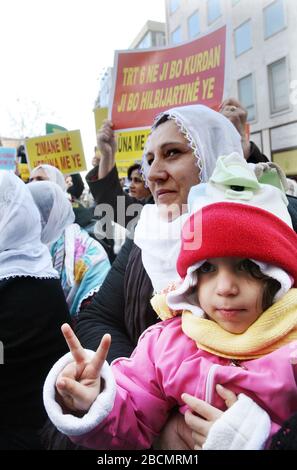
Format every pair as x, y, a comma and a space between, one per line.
79, 384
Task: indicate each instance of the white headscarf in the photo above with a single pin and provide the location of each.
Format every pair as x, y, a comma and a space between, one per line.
210, 135
55, 209
53, 174
21, 250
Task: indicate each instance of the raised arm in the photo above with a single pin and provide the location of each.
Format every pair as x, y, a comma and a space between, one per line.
104, 181
237, 114
107, 145
126, 411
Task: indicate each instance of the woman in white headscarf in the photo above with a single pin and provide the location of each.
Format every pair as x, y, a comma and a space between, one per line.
83, 216
181, 150
32, 309
48, 172
81, 261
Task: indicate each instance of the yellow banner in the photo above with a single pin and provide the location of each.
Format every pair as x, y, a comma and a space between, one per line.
100, 115
63, 150
287, 160
130, 145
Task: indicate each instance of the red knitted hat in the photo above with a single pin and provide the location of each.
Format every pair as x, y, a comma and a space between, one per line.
226, 229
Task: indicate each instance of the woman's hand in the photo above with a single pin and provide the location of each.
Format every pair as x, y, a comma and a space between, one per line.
175, 435
106, 144
208, 414
237, 114
79, 384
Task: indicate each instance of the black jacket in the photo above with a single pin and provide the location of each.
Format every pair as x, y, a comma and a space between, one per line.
121, 307
31, 314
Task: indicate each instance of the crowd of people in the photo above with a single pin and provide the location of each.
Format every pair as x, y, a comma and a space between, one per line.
182, 339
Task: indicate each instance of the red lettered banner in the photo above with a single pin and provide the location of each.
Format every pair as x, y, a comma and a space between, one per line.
148, 82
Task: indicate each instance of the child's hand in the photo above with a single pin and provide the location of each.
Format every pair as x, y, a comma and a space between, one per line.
208, 414
79, 384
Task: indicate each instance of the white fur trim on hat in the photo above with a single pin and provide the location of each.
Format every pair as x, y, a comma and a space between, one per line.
285, 280
185, 298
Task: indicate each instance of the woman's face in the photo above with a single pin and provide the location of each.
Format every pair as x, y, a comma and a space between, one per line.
39, 175
173, 170
137, 188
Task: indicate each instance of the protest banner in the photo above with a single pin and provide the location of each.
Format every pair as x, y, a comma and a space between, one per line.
130, 145
7, 158
63, 150
148, 82
100, 114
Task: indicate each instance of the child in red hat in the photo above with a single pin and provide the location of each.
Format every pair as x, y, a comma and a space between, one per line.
230, 321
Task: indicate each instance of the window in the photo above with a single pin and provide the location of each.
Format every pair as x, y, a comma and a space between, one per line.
246, 95
243, 38
278, 85
193, 25
213, 10
173, 6
146, 41
176, 36
274, 18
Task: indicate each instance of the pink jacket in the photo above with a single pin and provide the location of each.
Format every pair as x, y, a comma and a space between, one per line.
167, 363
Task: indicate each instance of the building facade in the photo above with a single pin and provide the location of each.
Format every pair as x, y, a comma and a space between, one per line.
263, 63
153, 34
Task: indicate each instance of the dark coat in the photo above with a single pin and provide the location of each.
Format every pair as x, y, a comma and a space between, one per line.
31, 314
121, 307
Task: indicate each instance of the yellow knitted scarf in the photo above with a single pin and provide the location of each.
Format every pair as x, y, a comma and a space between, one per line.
276, 327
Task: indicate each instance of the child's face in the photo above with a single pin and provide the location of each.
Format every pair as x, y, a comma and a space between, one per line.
228, 294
